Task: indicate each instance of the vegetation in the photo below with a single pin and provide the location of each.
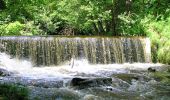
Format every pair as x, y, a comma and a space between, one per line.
159, 33
162, 77
90, 17
13, 92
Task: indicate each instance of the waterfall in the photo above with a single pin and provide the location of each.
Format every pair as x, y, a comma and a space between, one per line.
56, 50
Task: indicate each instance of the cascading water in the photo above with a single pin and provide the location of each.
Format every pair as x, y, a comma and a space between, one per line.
97, 50
105, 68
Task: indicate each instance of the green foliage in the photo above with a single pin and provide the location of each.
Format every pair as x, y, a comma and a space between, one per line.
13, 92
131, 25
164, 54
83, 16
90, 17
31, 29
13, 28
159, 33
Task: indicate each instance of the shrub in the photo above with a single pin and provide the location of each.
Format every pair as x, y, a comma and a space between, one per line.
159, 31
13, 92
13, 28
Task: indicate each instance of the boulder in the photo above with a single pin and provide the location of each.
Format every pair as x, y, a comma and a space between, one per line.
4, 72
90, 82
150, 69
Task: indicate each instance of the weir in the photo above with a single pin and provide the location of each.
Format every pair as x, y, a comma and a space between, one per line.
56, 50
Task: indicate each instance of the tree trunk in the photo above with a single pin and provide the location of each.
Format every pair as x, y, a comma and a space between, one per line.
157, 7
107, 23
128, 5
114, 16
113, 25
100, 27
95, 28
2, 5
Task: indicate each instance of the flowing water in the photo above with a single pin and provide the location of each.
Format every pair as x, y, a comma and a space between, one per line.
58, 50
48, 65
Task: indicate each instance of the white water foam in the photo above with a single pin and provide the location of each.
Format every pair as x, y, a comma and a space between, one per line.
24, 68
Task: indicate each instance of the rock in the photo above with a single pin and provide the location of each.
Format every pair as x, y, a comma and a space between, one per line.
42, 83
119, 82
150, 69
90, 82
109, 88
77, 81
4, 72
129, 77
39, 93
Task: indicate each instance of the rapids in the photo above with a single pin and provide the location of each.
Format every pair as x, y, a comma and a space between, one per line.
24, 68
54, 82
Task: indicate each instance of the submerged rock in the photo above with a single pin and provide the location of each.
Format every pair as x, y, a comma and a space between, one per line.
90, 82
43, 83
47, 84
129, 77
39, 93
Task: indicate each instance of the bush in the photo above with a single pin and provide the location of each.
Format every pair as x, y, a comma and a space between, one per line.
159, 31
13, 92
130, 25
13, 28
32, 29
